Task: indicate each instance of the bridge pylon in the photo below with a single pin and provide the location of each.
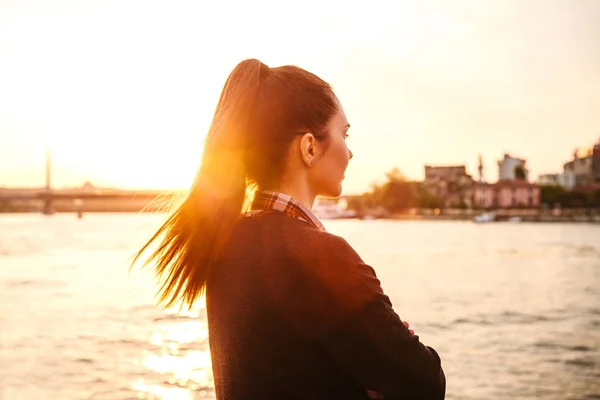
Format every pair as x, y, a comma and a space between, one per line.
47, 208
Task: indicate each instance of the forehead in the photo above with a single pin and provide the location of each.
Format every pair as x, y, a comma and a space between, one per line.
339, 118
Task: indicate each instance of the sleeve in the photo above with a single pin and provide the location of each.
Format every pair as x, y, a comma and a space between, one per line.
377, 349
336, 300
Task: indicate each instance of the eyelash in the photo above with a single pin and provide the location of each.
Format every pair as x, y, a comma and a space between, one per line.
346, 135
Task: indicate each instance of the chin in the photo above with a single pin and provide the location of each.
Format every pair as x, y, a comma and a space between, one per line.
334, 191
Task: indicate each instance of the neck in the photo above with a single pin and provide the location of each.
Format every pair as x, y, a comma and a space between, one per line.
299, 192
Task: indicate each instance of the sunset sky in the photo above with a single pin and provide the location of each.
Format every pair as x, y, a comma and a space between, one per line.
123, 91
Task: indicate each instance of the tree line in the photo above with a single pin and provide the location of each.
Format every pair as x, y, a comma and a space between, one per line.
395, 195
552, 196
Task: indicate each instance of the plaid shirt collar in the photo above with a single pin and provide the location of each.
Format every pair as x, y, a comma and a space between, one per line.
266, 201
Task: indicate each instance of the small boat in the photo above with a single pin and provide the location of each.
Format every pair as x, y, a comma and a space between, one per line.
485, 217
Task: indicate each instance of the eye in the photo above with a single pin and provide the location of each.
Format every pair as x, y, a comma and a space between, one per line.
346, 135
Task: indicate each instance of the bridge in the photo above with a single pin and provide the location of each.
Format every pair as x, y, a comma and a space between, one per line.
47, 198
75, 195
78, 201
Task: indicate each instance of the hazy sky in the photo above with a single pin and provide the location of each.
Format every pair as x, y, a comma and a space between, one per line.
124, 91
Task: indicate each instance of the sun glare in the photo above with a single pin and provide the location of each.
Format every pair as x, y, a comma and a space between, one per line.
130, 105
179, 356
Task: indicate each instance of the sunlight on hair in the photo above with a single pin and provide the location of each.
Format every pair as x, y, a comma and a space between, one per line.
223, 162
167, 201
251, 189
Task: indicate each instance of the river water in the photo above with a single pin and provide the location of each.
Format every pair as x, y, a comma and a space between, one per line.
512, 309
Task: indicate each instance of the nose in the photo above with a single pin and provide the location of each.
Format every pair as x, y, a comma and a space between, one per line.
351, 154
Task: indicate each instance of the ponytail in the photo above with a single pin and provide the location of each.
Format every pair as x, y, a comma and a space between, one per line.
192, 237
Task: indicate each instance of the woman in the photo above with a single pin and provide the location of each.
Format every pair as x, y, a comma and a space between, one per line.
293, 312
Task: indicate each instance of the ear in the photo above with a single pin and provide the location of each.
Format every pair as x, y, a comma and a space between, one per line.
308, 149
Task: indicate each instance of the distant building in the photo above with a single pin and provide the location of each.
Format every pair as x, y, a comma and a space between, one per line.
549, 180
444, 172
508, 166
450, 183
484, 196
507, 194
569, 180
596, 162
580, 170
556, 180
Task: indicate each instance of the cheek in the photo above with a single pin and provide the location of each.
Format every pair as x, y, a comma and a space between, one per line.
338, 161
344, 155
334, 163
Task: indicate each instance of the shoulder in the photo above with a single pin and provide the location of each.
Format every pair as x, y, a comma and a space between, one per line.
293, 233
328, 247
331, 260
322, 254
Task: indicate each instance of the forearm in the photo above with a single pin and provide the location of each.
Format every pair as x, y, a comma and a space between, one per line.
382, 354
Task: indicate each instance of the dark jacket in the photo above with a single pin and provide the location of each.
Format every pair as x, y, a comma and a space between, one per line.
294, 313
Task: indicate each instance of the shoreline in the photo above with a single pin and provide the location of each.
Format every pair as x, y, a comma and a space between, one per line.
522, 219
450, 216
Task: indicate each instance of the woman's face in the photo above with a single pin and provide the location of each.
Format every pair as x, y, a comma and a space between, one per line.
328, 171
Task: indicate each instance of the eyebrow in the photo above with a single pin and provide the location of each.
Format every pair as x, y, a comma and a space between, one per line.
347, 126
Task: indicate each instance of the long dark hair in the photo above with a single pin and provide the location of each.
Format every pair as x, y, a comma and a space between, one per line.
259, 112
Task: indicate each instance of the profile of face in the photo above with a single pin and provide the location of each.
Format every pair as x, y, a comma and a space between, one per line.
330, 159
